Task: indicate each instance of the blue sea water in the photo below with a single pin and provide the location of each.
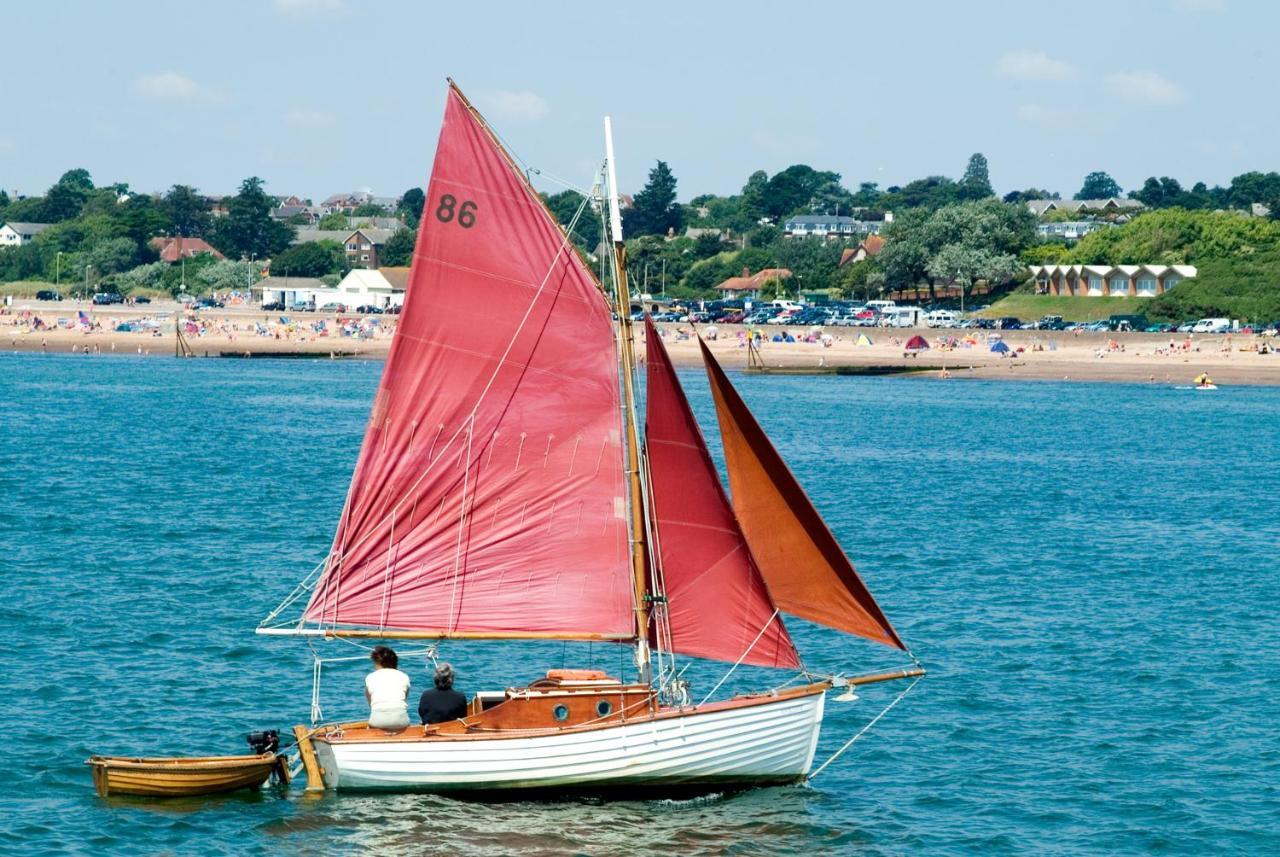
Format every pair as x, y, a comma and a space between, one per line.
1089, 572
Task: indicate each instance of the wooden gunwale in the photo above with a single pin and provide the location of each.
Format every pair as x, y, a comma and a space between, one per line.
415, 734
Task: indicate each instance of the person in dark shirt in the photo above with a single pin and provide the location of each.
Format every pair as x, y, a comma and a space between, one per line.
442, 703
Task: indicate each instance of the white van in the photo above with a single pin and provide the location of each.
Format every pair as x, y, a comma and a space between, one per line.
1212, 325
882, 307
942, 318
903, 316
785, 304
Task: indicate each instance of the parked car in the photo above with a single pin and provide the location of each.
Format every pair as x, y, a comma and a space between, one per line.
941, 318
1212, 325
1008, 322
274, 306
48, 295
208, 303
333, 306
302, 306
735, 317
104, 298
369, 309
142, 299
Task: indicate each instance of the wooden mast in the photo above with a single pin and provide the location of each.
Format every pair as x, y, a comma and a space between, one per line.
622, 295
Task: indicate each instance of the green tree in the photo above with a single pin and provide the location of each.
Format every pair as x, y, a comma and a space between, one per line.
188, 211
654, 210
868, 195
111, 256
754, 204
1028, 195
248, 229
976, 182
568, 205
312, 259
831, 197
1248, 188
410, 207
369, 209
398, 251
334, 221
793, 190
1098, 185
66, 198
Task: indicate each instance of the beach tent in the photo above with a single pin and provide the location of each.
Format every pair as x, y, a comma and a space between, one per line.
863, 339
999, 347
917, 343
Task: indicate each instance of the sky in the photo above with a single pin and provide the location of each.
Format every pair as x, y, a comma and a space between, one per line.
326, 96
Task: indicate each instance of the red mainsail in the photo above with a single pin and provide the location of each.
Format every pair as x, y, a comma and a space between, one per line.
488, 497
717, 603
807, 571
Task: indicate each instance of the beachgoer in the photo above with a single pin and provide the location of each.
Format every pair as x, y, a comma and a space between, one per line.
442, 703
387, 689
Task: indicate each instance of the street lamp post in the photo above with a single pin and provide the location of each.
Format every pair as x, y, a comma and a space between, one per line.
86, 280
57, 270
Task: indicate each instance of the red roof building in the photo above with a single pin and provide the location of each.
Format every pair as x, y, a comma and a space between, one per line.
750, 283
868, 247
174, 249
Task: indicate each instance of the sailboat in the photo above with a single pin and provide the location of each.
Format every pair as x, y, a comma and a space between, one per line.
504, 491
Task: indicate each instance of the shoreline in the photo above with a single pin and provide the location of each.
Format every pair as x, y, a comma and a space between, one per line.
1053, 356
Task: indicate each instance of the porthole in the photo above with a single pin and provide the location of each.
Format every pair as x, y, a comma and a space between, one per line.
604, 708
560, 712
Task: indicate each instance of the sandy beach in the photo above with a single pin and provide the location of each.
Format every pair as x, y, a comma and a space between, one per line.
1034, 355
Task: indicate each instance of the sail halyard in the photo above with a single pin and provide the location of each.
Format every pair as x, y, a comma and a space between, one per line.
488, 499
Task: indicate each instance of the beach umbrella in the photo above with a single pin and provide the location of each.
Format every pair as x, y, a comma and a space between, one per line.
999, 347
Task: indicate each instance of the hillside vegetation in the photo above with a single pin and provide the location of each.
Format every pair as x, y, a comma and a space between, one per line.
1237, 258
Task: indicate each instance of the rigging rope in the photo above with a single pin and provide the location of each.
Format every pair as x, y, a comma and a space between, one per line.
863, 730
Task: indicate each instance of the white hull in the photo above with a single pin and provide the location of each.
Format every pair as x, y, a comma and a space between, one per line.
772, 741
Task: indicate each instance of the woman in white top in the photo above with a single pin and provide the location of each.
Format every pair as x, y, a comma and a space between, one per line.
387, 689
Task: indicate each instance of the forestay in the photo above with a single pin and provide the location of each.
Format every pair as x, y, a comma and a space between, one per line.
489, 492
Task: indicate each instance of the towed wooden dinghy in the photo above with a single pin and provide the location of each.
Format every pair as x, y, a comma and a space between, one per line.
182, 777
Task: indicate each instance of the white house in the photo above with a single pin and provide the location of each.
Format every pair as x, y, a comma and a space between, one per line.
382, 288
1096, 281
17, 234
824, 225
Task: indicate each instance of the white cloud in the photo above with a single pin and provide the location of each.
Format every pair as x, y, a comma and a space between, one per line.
306, 7
167, 86
512, 106
301, 117
1144, 87
1034, 65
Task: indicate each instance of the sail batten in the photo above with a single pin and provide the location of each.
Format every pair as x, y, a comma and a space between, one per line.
718, 605
807, 571
502, 374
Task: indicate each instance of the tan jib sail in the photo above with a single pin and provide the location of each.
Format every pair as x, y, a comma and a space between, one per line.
807, 572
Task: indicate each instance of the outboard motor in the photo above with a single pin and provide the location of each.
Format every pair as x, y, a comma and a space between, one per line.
266, 741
